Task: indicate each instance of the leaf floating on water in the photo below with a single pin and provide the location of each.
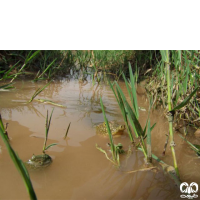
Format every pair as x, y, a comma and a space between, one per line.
142, 109
50, 102
141, 170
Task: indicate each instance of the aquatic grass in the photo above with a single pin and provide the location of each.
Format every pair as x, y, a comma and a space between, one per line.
139, 132
6, 86
58, 62
194, 147
115, 149
183, 90
6, 74
122, 108
38, 91
133, 95
149, 153
67, 130
49, 102
124, 112
132, 114
165, 58
109, 132
20, 166
28, 59
108, 62
35, 61
47, 126
3, 128
103, 151
45, 70
184, 80
185, 101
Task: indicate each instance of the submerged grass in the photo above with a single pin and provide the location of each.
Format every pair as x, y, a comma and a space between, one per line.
50, 102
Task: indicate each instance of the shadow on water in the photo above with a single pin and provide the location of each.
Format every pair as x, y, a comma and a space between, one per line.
79, 170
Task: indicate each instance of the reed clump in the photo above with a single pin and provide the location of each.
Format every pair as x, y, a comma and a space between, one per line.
184, 79
42, 65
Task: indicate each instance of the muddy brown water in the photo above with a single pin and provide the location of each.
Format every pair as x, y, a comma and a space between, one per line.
79, 170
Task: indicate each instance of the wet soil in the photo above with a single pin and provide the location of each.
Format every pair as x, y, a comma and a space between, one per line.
79, 170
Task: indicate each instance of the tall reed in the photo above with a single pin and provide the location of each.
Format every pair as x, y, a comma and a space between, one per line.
131, 114
165, 58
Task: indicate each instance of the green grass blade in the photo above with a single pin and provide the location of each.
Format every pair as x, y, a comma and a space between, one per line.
47, 68
152, 126
150, 106
6, 74
123, 111
53, 144
185, 101
7, 86
67, 130
1, 124
109, 131
149, 154
131, 115
48, 122
103, 151
111, 86
191, 145
133, 90
164, 55
20, 166
32, 56
38, 91
122, 108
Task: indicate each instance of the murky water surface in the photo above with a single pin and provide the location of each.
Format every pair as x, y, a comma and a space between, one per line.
79, 170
